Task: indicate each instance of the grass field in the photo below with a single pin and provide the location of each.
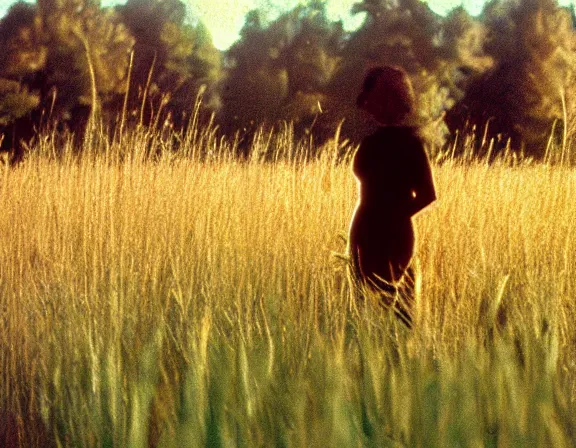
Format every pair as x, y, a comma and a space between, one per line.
186, 302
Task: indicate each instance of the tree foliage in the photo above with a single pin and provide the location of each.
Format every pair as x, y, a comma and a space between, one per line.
502, 75
23, 55
70, 60
518, 101
280, 71
173, 60
437, 53
88, 55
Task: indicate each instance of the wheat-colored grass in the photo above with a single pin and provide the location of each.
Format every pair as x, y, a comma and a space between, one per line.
187, 301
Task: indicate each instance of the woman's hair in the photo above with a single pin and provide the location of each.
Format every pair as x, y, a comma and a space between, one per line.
396, 82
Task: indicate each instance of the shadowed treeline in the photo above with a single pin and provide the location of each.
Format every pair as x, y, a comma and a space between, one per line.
504, 77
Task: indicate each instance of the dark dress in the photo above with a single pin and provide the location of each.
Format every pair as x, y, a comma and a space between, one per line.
395, 183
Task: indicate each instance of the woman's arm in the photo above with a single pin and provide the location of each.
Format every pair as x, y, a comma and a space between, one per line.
359, 161
423, 192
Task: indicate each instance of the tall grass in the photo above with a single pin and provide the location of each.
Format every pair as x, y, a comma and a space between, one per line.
188, 300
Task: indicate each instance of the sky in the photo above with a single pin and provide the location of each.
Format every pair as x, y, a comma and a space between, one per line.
224, 18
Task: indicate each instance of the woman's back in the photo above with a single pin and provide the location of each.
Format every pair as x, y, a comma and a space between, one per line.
388, 165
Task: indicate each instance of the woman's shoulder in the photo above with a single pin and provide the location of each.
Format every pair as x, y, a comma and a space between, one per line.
394, 135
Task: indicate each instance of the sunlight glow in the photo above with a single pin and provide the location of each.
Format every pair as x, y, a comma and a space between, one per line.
225, 18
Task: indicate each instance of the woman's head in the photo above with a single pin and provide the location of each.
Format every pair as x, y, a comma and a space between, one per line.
387, 95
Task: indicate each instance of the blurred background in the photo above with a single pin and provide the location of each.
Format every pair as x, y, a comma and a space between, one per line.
500, 71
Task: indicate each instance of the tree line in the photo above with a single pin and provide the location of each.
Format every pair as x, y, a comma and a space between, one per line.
503, 76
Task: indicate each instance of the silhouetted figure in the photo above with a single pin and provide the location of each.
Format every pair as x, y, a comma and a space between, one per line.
395, 183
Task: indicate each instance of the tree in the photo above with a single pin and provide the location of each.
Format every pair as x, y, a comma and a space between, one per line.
311, 59
22, 55
431, 49
173, 60
518, 101
257, 81
88, 58
279, 71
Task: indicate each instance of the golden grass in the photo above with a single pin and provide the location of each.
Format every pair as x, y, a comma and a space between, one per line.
152, 301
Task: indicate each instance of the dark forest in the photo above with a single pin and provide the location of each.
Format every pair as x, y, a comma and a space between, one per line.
504, 76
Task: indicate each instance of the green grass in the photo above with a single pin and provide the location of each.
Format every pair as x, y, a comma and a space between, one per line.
186, 301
